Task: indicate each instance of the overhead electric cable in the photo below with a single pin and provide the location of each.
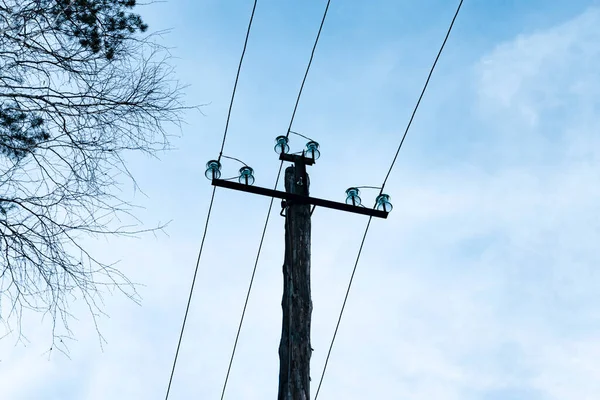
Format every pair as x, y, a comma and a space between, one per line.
412, 117
312, 54
272, 199
237, 336
237, 76
301, 135
187, 308
382, 186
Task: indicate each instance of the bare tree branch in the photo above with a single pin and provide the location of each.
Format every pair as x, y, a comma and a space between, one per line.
81, 85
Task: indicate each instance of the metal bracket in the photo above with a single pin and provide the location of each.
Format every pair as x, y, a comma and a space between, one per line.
295, 158
300, 199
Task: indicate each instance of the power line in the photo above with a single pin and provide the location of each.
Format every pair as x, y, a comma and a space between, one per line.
422, 93
237, 336
312, 54
237, 77
272, 199
299, 134
187, 308
337, 326
382, 186
235, 159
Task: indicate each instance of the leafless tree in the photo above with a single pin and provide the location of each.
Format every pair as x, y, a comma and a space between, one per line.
81, 85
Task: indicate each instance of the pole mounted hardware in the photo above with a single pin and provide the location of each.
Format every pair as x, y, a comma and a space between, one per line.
383, 203
246, 176
312, 150
281, 145
307, 157
353, 196
213, 169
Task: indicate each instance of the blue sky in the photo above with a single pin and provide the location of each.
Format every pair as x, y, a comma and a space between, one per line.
482, 283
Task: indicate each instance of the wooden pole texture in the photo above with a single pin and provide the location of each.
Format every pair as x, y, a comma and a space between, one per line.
295, 349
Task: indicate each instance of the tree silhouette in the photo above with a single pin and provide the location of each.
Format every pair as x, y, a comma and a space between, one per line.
81, 85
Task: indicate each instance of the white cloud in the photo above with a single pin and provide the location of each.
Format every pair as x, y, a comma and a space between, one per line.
544, 72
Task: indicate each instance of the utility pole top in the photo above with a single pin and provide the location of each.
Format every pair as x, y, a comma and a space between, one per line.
294, 348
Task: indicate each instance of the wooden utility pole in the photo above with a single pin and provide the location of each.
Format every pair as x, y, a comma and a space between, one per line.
294, 348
